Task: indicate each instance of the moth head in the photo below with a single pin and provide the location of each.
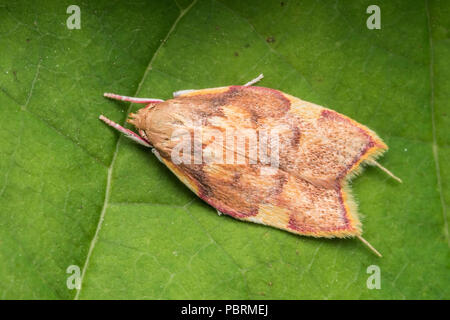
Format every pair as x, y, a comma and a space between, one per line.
161, 122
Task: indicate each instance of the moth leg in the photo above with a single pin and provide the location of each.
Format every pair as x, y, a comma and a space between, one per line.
128, 133
131, 99
142, 134
219, 213
157, 155
369, 246
373, 162
252, 82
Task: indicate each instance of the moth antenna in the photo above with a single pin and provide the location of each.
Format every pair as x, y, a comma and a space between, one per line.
369, 246
128, 133
131, 99
250, 83
386, 170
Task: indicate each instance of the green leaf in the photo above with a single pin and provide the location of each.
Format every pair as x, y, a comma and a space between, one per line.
73, 192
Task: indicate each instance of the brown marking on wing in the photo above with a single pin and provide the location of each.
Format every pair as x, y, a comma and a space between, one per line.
330, 146
312, 206
296, 134
240, 187
263, 103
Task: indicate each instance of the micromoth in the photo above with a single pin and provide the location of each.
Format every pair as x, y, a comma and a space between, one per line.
261, 155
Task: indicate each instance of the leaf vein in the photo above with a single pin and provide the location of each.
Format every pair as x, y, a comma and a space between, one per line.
116, 151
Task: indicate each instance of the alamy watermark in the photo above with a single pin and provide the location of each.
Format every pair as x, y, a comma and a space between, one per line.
199, 144
74, 20
74, 280
374, 280
374, 20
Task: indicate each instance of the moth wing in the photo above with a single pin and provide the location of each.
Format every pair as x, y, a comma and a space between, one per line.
310, 210
332, 146
308, 194
189, 181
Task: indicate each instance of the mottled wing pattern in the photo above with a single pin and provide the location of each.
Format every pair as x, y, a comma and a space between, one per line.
318, 151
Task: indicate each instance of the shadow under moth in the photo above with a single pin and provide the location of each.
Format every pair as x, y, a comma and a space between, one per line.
261, 155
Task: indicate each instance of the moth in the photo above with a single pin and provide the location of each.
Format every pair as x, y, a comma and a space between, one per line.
261, 155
